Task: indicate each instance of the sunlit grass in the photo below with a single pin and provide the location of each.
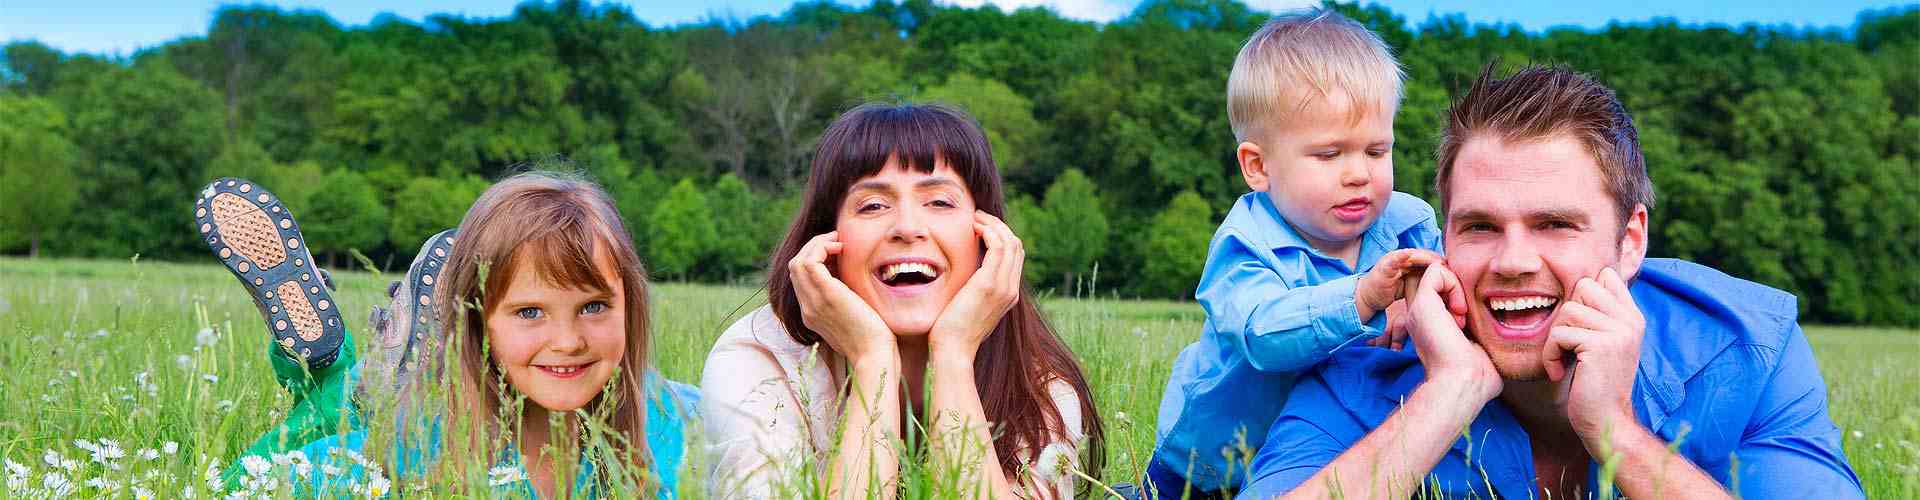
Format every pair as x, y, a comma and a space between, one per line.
117, 350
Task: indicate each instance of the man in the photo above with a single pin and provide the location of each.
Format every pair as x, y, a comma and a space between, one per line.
1553, 359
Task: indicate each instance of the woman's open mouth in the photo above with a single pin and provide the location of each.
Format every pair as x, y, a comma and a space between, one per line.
565, 371
908, 275
1521, 317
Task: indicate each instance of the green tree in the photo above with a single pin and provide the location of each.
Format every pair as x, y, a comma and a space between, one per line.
1176, 245
1007, 117
36, 171
148, 134
1073, 234
344, 213
681, 230
737, 248
1029, 221
426, 206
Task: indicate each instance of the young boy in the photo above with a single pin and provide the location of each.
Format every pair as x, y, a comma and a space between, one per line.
1309, 261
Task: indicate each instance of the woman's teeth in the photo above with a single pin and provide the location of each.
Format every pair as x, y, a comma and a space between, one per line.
894, 271
1520, 303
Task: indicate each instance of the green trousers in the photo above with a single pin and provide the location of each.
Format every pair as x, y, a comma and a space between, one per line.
322, 406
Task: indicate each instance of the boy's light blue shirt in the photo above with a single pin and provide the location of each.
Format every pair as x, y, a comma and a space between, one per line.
1275, 307
1725, 374
669, 408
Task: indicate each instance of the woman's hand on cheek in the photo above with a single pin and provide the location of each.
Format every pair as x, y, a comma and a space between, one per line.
829, 308
986, 297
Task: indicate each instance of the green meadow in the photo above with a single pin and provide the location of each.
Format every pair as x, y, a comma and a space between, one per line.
143, 354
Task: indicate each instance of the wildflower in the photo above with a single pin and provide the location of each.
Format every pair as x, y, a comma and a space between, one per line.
210, 378
101, 483
183, 361
212, 476
15, 469
504, 475
142, 493
56, 460
148, 454
1857, 434
330, 470
206, 337
378, 486
56, 484
86, 445
255, 465
170, 448
224, 404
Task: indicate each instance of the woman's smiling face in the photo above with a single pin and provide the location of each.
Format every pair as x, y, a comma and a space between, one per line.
557, 344
908, 243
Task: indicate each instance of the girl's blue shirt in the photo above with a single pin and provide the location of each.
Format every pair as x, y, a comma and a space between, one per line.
338, 461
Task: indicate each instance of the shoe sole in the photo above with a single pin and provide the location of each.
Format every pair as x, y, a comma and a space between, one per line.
421, 280
259, 242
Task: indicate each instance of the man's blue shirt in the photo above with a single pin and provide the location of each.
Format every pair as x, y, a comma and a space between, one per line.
1275, 307
1724, 371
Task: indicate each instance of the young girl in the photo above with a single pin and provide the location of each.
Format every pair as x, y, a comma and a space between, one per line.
898, 262
541, 290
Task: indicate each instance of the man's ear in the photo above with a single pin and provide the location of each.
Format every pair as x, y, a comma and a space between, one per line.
1633, 243
1253, 165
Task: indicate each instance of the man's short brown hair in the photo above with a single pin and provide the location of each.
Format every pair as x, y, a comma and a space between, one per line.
1540, 102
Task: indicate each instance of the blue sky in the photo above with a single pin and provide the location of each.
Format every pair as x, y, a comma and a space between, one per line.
123, 26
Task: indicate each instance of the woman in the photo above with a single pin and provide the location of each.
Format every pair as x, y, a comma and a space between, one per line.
897, 295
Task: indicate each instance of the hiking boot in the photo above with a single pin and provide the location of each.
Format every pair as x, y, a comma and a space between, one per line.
405, 338
256, 238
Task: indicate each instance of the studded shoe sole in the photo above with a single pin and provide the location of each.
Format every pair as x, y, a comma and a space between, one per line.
256, 238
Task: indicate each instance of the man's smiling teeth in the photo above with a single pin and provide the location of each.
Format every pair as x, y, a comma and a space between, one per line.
895, 270
1520, 303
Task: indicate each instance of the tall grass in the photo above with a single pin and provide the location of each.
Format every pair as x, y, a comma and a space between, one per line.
167, 363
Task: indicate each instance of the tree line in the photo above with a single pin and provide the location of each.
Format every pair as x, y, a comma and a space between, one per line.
1780, 154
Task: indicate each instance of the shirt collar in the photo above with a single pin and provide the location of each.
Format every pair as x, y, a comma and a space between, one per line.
1255, 216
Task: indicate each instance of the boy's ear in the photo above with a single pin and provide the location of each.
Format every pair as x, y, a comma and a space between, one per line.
1253, 165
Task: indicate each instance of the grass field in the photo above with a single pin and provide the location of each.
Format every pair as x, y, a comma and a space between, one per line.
118, 350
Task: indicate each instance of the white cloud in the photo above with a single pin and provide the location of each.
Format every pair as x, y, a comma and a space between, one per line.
1109, 10
1280, 5
1091, 10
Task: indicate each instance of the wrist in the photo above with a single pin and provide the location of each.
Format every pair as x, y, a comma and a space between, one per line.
1452, 403
1472, 388
950, 357
1619, 433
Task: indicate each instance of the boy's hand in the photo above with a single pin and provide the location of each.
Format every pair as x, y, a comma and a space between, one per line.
1396, 334
1378, 288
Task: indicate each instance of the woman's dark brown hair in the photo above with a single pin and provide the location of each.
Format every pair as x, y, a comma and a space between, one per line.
1022, 355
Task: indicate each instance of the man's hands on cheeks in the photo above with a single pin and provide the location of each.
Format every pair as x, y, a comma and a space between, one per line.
986, 297
1381, 290
829, 308
1601, 327
1436, 312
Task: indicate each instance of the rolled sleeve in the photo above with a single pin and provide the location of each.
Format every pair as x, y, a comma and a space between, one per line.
1792, 448
1277, 326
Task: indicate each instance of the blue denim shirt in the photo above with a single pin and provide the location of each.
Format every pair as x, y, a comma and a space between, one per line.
1275, 307
669, 407
1724, 371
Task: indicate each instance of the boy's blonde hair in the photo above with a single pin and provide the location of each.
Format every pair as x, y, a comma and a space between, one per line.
1303, 55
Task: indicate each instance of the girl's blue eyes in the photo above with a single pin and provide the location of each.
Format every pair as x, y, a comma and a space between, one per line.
533, 313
